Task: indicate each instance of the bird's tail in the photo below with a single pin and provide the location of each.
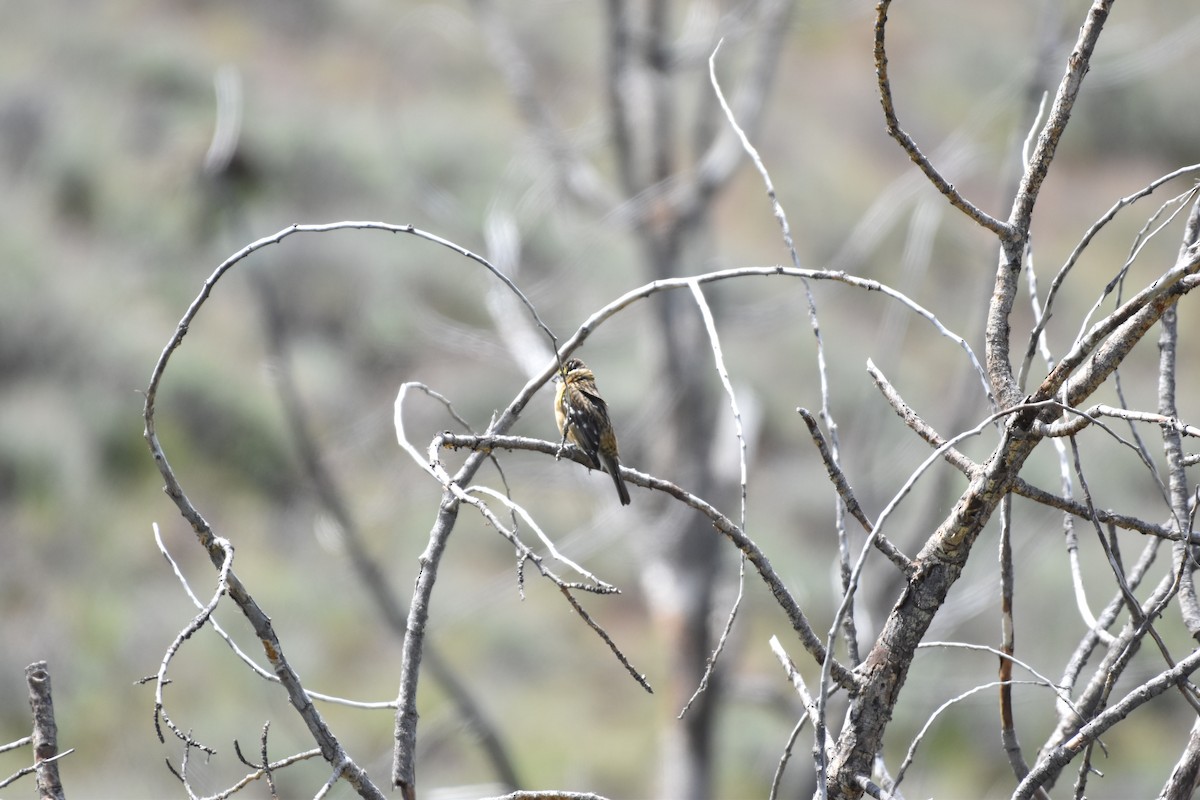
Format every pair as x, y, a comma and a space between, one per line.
612, 467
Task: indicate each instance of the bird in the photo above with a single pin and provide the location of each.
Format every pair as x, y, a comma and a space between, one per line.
582, 417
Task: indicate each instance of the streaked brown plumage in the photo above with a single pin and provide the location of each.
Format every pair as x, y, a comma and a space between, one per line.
582, 417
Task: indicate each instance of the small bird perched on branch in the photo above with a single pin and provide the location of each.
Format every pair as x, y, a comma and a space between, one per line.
582, 417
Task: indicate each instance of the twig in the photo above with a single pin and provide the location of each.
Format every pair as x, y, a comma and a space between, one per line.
24, 741
711, 663
1015, 239
872, 789
714, 340
603, 634
258, 670
32, 768
466, 496
916, 423
1114, 661
1008, 728
786, 756
599, 586
160, 681
1143, 238
1143, 620
906, 142
718, 164
1059, 278
1182, 782
1178, 492
725, 526
1077, 509
1122, 328
916, 742
851, 634
838, 478
1042, 680
821, 743
1038, 164
262, 771
1060, 755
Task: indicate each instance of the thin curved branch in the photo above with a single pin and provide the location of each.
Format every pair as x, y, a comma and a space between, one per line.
838, 478
830, 453
1065, 270
196, 624
1178, 491
723, 524
906, 142
249, 661
714, 340
331, 749
1102, 348
1113, 663
720, 161
403, 772
1020, 486
1145, 622
1061, 755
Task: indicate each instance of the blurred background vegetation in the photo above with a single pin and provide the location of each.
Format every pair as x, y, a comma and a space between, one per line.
394, 111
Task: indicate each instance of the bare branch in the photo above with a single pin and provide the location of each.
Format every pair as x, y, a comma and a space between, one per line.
1060, 755
45, 732
196, 624
1008, 638
1186, 775
265, 771
1038, 165
24, 741
918, 425
719, 364
1122, 329
254, 666
1038, 495
32, 768
1179, 494
906, 142
786, 756
1143, 621
846, 493
711, 663
1056, 284
822, 745
723, 525
716, 167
